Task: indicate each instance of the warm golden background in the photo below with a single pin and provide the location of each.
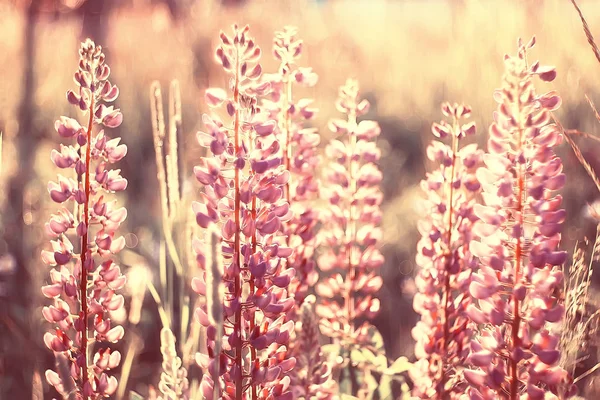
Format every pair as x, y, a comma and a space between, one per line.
408, 55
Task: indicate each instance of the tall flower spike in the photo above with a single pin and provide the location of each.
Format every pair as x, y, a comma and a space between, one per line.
516, 288
445, 260
83, 300
300, 156
351, 232
243, 195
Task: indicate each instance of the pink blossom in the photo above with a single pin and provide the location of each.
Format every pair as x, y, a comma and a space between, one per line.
80, 309
298, 152
514, 290
446, 261
351, 231
249, 207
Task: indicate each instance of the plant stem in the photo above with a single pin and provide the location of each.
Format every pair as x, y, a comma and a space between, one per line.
447, 288
237, 244
351, 237
252, 317
287, 153
84, 246
514, 364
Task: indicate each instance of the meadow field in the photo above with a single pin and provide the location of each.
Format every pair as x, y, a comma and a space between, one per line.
408, 58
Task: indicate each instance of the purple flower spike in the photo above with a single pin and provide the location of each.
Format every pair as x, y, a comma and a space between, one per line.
446, 261
84, 284
299, 156
515, 291
351, 232
248, 342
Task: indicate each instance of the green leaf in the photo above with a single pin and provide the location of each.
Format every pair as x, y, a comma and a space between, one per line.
372, 384
135, 396
371, 358
376, 338
400, 365
358, 356
331, 349
380, 362
345, 386
405, 391
385, 387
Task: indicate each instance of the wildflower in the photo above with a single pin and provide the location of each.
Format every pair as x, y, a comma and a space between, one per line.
299, 146
243, 195
85, 280
444, 255
515, 289
351, 232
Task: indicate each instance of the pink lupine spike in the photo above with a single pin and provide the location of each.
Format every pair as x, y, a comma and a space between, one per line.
514, 298
69, 282
298, 154
243, 183
350, 232
445, 258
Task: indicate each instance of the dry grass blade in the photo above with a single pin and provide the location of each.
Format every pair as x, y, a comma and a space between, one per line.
37, 388
158, 131
214, 267
164, 317
69, 391
575, 132
192, 344
577, 331
215, 293
173, 379
173, 175
587, 373
576, 291
588, 33
138, 274
134, 347
593, 108
577, 151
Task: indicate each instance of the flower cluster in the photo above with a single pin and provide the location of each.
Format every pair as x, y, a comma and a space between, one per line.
445, 260
244, 180
351, 231
515, 289
84, 281
300, 156
313, 378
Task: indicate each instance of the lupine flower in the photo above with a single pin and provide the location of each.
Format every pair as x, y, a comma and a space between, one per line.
351, 231
516, 288
313, 378
300, 156
84, 278
243, 195
445, 260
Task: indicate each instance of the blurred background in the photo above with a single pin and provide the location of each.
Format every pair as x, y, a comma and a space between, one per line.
409, 56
